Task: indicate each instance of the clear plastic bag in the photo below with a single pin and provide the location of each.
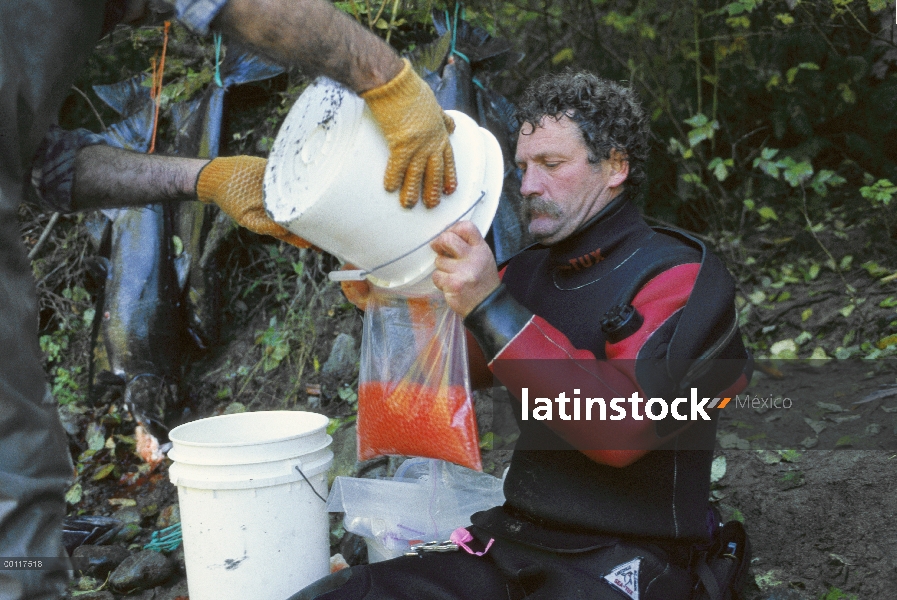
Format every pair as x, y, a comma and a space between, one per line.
414, 394
425, 501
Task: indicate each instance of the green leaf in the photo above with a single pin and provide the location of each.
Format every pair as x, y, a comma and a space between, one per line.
95, 437
819, 354
847, 94
797, 173
718, 469
103, 472
847, 310
699, 120
791, 74
804, 316
234, 408
768, 214
881, 191
889, 302
720, 167
825, 179
704, 132
73, 496
785, 18
803, 338
177, 244
565, 55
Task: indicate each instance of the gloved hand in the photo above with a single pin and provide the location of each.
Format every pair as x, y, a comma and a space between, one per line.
234, 183
416, 131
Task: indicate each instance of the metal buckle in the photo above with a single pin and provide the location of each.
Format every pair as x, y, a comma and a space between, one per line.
420, 549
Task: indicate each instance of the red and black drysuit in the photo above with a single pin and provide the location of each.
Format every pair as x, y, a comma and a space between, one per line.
542, 330
584, 499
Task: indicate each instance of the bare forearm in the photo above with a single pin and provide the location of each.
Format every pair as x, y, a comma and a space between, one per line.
107, 177
315, 36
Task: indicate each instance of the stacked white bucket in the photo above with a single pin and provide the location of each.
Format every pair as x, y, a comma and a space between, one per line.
248, 484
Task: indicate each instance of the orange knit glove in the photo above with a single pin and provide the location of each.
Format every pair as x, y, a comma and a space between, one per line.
416, 131
234, 183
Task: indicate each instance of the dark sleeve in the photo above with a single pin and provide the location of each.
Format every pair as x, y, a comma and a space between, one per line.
53, 167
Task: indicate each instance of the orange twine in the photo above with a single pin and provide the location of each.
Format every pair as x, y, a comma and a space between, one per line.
156, 88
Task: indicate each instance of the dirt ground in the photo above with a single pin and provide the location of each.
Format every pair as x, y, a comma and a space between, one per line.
822, 522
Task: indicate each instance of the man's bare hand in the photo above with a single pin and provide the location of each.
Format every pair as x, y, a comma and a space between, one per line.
465, 267
356, 292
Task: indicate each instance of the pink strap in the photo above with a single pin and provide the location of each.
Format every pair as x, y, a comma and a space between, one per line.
461, 536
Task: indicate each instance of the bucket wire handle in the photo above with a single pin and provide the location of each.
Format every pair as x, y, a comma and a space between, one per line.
310, 485
361, 274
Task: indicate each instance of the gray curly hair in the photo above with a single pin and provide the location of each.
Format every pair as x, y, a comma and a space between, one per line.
609, 116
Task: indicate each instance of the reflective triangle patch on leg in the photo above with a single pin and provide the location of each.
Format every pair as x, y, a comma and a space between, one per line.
624, 578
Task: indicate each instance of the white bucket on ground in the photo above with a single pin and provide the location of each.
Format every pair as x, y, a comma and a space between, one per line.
252, 525
324, 182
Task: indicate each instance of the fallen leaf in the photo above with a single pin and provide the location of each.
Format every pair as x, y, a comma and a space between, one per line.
103, 472
122, 502
73, 496
817, 426
718, 469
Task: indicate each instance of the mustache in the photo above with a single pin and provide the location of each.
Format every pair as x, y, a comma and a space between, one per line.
535, 204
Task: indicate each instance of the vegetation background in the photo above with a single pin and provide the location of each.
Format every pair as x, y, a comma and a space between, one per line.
774, 138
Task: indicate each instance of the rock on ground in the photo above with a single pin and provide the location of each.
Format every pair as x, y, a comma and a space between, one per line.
143, 570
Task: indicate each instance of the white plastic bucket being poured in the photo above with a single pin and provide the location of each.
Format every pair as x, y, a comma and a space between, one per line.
253, 525
324, 182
